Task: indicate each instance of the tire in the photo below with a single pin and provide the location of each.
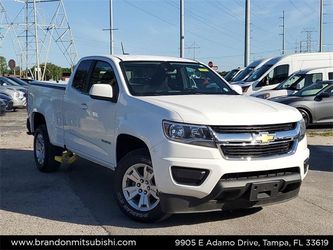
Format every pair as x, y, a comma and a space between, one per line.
44, 151
306, 116
134, 193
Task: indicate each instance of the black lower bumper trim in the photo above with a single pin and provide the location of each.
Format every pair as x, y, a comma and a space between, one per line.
229, 195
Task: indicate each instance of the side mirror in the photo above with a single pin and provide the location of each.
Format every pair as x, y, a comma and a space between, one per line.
237, 88
101, 92
322, 95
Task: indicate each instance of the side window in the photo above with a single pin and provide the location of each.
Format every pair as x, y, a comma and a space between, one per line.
329, 90
317, 77
312, 78
80, 81
275, 76
280, 74
330, 76
103, 74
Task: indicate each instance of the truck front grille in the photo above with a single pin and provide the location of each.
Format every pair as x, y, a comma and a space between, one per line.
254, 151
255, 141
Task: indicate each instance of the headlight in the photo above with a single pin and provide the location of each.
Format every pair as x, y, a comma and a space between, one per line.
264, 96
302, 129
187, 133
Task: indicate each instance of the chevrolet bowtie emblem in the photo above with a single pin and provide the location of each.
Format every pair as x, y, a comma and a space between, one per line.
265, 137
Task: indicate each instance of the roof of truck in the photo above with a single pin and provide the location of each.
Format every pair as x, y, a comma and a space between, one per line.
150, 58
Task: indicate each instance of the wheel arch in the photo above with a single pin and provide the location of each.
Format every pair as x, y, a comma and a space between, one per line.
127, 143
307, 110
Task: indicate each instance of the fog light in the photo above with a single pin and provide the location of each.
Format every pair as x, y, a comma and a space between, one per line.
189, 176
306, 165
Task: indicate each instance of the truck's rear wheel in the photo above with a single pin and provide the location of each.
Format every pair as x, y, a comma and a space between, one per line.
135, 187
44, 151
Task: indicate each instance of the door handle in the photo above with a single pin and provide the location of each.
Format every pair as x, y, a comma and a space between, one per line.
84, 106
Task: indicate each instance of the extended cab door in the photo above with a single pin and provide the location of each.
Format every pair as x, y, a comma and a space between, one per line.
101, 117
91, 122
76, 108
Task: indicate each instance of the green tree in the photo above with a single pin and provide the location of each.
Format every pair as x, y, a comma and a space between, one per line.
3, 65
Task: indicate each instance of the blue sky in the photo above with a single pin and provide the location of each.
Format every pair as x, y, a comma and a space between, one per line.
215, 26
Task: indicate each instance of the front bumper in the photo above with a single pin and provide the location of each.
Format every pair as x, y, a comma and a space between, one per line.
228, 195
211, 193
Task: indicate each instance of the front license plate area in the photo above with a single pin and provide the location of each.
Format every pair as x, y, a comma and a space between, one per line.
264, 190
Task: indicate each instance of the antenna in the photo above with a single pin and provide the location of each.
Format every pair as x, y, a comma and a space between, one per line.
122, 49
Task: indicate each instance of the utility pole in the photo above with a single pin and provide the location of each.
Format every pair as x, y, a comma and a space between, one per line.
37, 73
321, 27
111, 29
247, 33
181, 2
283, 35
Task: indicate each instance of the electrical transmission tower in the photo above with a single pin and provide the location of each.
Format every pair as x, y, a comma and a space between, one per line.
36, 31
194, 48
309, 41
4, 23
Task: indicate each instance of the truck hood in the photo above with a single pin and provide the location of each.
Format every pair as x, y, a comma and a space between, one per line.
225, 110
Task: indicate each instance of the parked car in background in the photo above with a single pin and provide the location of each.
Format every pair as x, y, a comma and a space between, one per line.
231, 74
2, 107
8, 100
18, 81
15, 91
314, 102
249, 70
27, 80
278, 69
297, 81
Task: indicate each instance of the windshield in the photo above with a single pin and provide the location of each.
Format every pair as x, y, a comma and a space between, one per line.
243, 74
292, 82
8, 82
230, 74
259, 72
312, 90
172, 78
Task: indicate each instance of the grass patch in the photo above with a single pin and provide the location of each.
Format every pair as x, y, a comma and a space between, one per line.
320, 133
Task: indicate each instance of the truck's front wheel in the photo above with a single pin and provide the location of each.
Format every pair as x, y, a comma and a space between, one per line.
44, 151
135, 187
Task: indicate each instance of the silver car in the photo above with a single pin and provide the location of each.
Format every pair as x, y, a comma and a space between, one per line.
15, 91
314, 102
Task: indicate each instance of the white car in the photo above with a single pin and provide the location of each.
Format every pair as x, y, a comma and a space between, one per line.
179, 138
278, 69
297, 81
15, 91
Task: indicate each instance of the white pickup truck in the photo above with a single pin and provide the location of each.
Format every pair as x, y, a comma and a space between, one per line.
179, 138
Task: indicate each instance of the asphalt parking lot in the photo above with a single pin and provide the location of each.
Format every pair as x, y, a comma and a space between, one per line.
78, 199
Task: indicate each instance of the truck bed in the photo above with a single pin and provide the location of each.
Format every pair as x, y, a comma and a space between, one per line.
47, 98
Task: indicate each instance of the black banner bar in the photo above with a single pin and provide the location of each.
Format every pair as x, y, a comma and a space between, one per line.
166, 242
